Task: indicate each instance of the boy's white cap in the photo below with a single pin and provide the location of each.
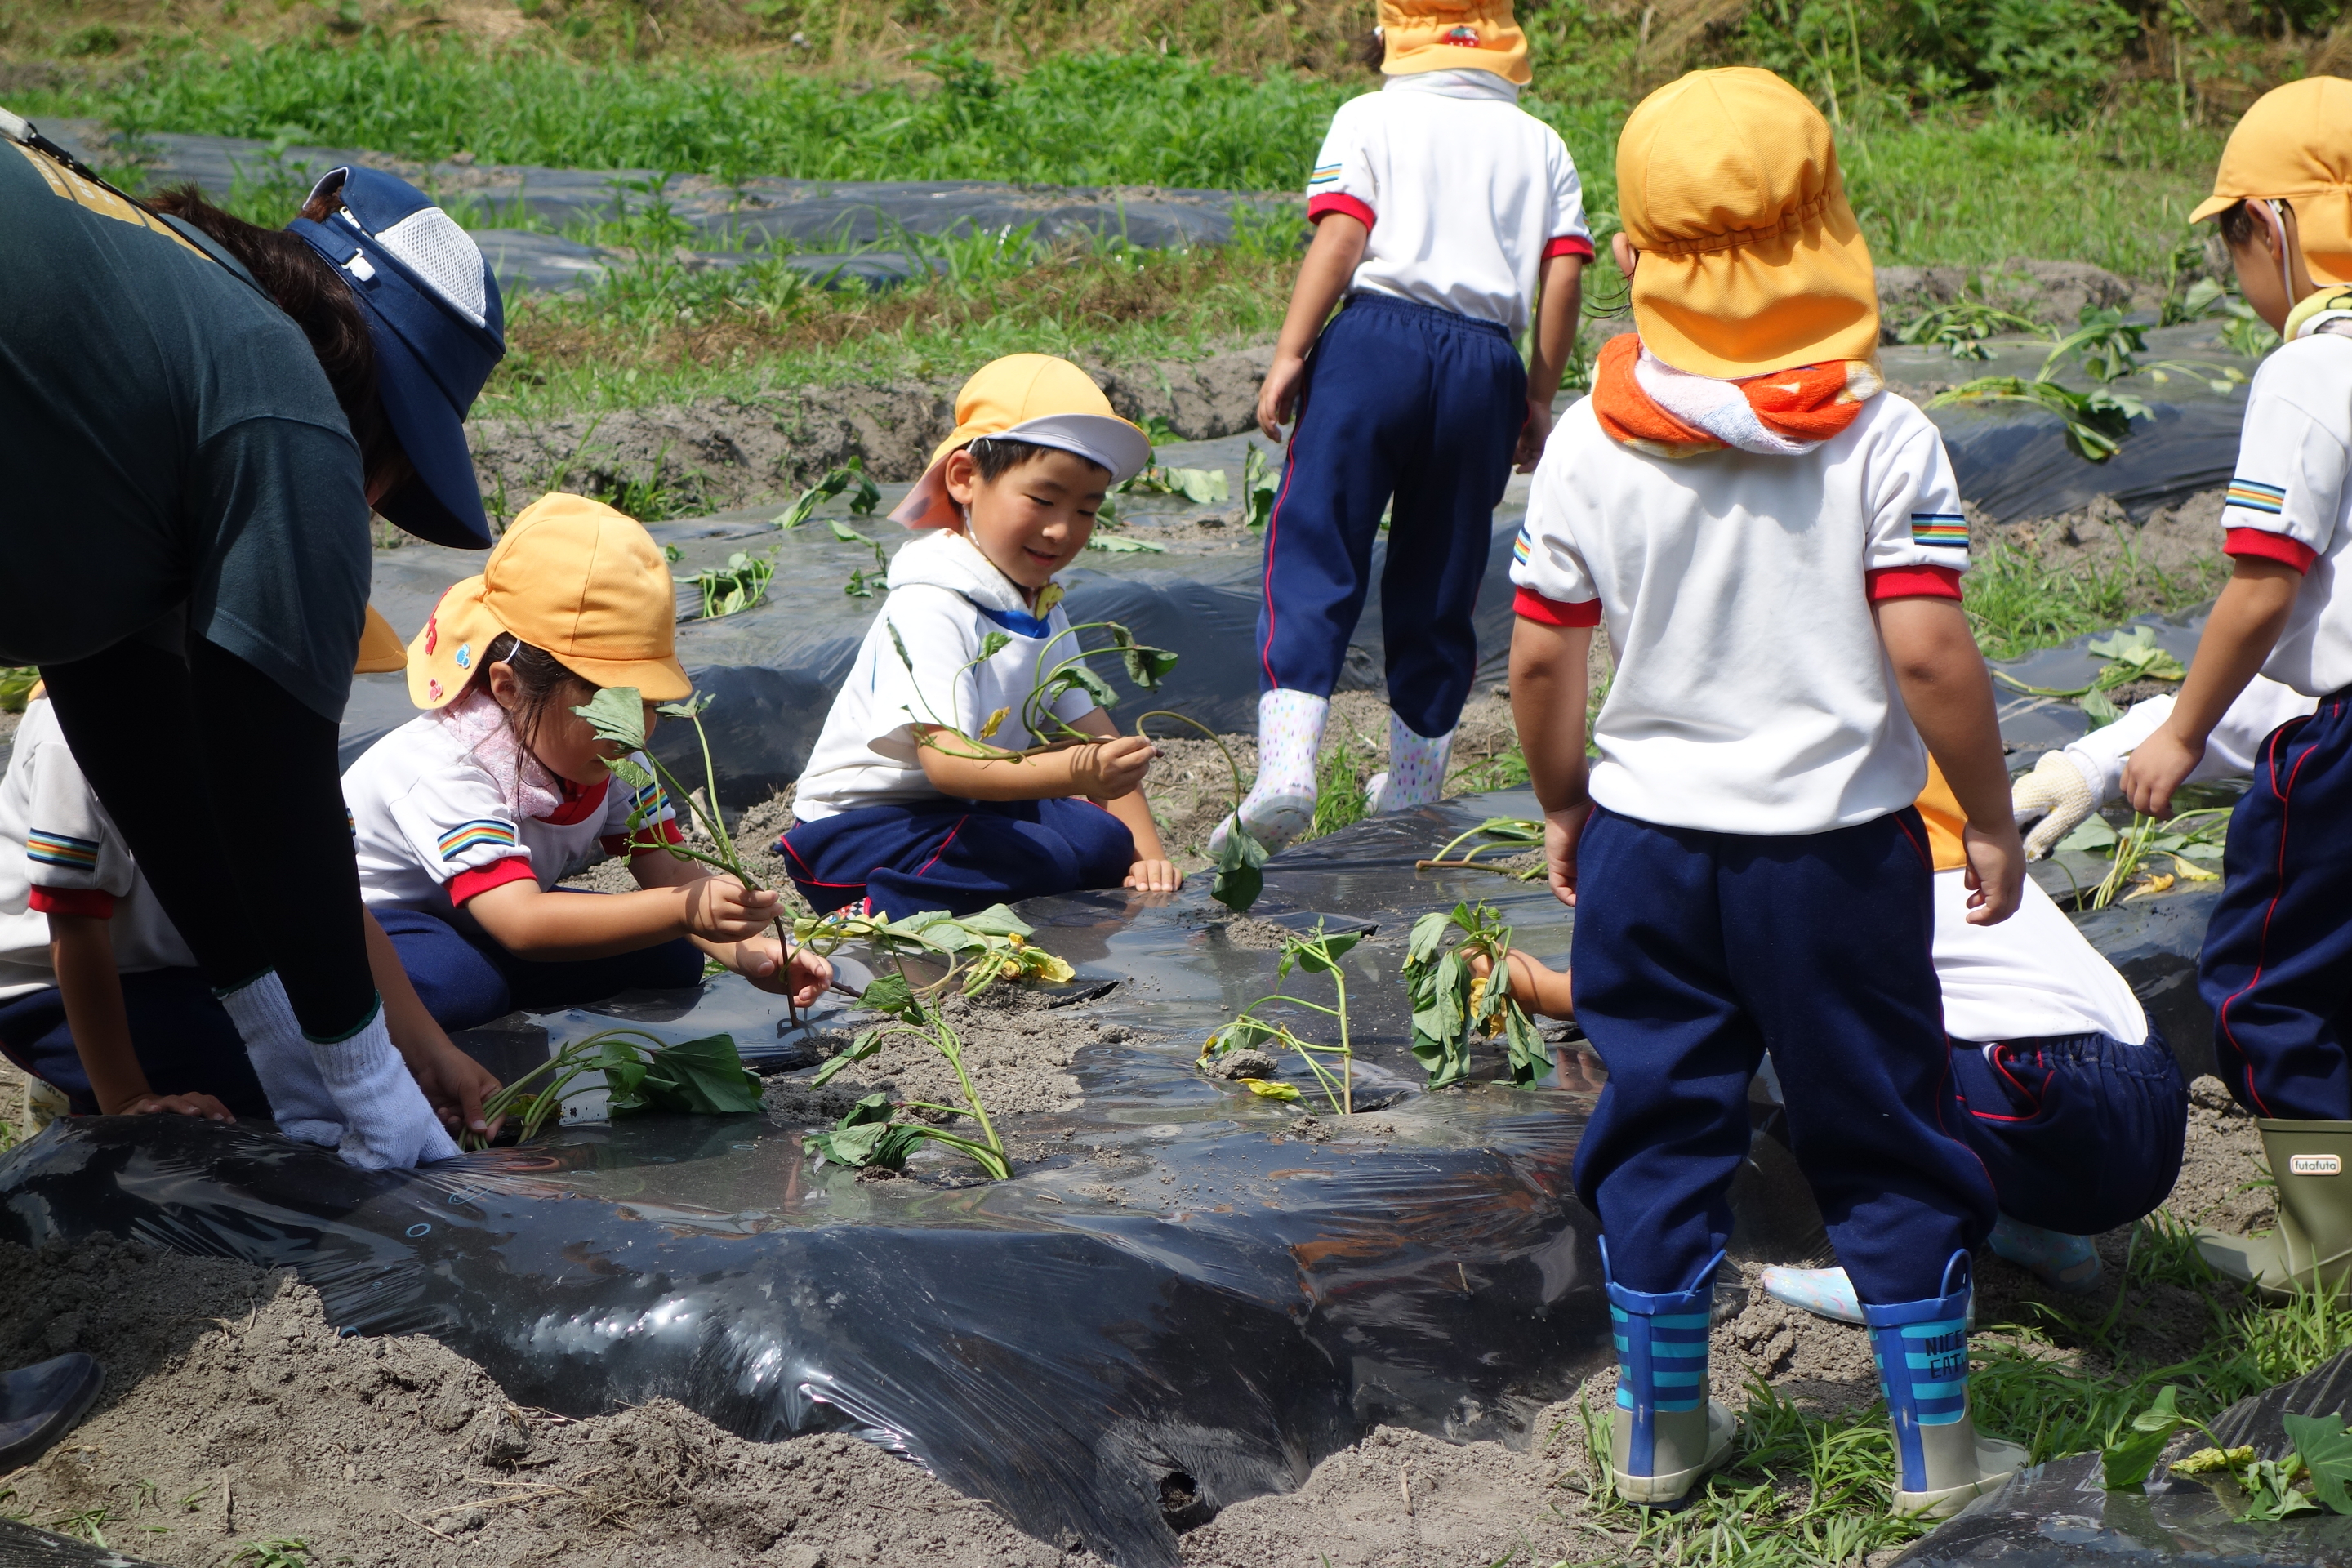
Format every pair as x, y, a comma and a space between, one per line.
1036, 398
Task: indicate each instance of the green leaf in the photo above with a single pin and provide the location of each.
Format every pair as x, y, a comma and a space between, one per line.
1123, 544
2127, 1462
1147, 666
875, 1106
993, 644
1203, 487
616, 714
692, 707
1428, 936
2325, 1449
2100, 709
702, 1078
1319, 955
997, 920
900, 644
843, 532
2094, 835
889, 993
1075, 676
1239, 879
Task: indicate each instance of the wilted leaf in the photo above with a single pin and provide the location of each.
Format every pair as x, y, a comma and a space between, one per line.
1268, 1089
900, 644
1079, 677
993, 644
1239, 879
995, 722
617, 714
1147, 666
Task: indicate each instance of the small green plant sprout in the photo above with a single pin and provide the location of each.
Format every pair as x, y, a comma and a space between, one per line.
1317, 952
1451, 1003
862, 583
641, 1072
1202, 487
1960, 328
278, 1551
862, 502
2316, 1472
2189, 838
735, 587
1259, 487
1514, 834
17, 683
1240, 860
2125, 1460
2131, 653
2097, 421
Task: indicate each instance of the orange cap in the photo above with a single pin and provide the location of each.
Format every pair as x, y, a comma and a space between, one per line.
1751, 261
381, 649
1453, 35
570, 576
1036, 398
2296, 145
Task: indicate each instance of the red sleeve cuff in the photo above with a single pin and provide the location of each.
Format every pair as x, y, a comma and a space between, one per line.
2269, 546
95, 901
1545, 612
1321, 208
482, 878
1914, 582
649, 838
1567, 245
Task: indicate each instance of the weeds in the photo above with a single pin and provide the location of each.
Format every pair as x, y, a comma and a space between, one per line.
1316, 953
1340, 797
1451, 1002
279, 1552
735, 587
1515, 835
2017, 603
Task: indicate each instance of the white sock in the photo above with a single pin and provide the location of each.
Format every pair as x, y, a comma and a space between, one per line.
285, 1062
1281, 802
387, 1122
1416, 770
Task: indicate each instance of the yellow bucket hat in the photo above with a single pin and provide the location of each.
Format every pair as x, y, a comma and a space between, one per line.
2296, 145
381, 650
1036, 398
574, 578
1751, 262
1453, 35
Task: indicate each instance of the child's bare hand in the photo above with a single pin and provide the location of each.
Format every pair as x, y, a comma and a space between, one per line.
1279, 395
1105, 769
720, 909
1532, 435
1996, 873
2159, 765
802, 976
202, 1105
1562, 828
1154, 876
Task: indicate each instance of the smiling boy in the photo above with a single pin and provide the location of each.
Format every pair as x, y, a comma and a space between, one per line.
926, 790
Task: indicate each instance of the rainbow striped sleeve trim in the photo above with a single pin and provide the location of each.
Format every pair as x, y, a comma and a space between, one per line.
1521, 547
475, 835
62, 850
1325, 174
1939, 530
647, 802
2253, 495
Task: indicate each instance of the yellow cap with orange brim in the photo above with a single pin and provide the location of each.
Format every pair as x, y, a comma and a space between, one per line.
2296, 145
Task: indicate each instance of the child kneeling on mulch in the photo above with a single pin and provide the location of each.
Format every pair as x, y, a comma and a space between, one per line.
99, 997
1775, 542
2071, 1101
467, 818
926, 789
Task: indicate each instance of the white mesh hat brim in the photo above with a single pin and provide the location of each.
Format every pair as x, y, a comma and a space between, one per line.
1109, 443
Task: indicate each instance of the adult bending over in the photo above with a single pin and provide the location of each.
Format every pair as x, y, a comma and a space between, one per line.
196, 415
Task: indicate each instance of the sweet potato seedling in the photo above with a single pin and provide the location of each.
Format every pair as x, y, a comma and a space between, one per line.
1317, 952
1451, 1003
641, 1072
1512, 834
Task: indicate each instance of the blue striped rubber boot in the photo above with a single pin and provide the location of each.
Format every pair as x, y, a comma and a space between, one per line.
1922, 1350
1667, 1433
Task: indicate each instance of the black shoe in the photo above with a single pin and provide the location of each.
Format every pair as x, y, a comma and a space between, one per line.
40, 1404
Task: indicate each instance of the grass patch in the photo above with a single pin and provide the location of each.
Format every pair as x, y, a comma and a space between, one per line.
2017, 603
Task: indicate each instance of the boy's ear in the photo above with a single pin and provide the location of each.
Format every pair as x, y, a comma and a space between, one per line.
1622, 249
961, 477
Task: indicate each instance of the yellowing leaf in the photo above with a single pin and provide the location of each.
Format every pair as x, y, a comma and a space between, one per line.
1265, 1089
1047, 597
1053, 971
995, 721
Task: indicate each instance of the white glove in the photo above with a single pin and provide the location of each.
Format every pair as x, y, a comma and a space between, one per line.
387, 1122
2056, 792
285, 1061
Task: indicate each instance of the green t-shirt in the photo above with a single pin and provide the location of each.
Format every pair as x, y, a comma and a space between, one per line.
168, 442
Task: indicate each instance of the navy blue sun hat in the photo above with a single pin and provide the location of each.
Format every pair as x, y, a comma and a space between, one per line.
439, 327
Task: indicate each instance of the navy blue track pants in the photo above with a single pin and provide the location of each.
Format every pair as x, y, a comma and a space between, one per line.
466, 978
2277, 964
179, 1031
960, 855
1415, 409
1695, 953
2080, 1134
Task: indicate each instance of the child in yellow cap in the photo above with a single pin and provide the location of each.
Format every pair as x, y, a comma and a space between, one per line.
1775, 545
2276, 967
928, 789
467, 819
1443, 212
99, 997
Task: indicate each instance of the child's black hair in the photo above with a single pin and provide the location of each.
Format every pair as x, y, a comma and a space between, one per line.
541, 681
1371, 50
997, 455
2239, 225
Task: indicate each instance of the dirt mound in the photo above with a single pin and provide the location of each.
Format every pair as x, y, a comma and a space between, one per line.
718, 454
2051, 292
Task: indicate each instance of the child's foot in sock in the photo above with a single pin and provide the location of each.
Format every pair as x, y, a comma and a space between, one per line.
285, 1061
1281, 803
387, 1123
1416, 770
2061, 1261
1823, 1293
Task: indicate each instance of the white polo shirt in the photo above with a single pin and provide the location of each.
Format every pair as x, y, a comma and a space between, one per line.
1465, 192
2288, 501
433, 827
946, 600
59, 852
2031, 977
1752, 694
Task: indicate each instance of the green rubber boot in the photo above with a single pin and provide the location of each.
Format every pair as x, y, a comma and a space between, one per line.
2312, 1248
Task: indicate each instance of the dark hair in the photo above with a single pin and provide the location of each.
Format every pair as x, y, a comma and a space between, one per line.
2239, 225
541, 681
1371, 50
997, 455
306, 287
